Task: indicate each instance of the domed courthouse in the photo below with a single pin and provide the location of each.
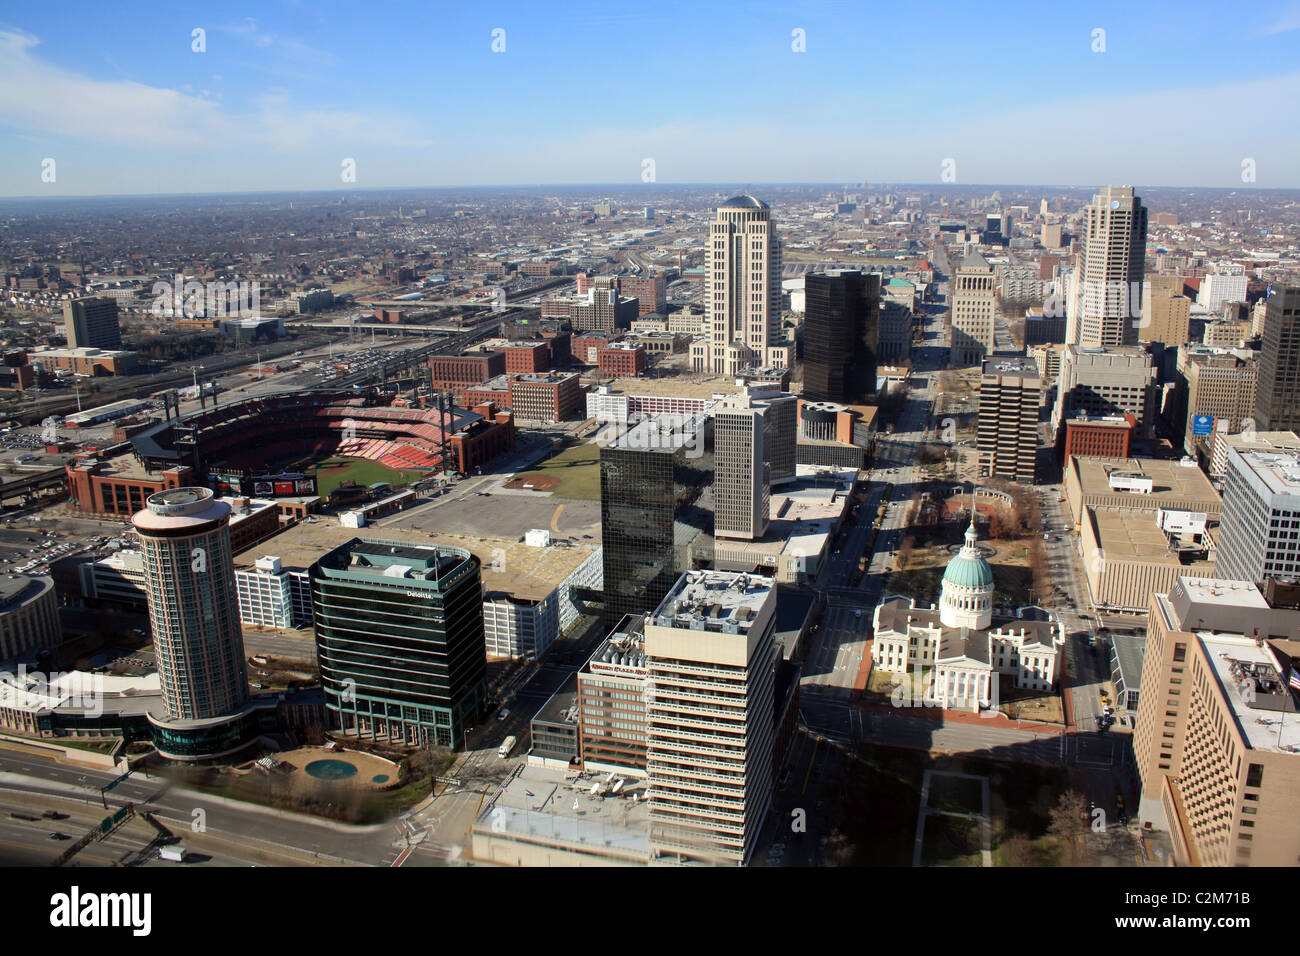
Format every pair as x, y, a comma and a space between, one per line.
960, 640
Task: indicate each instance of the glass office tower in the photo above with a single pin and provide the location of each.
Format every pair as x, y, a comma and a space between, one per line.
655, 510
399, 639
841, 336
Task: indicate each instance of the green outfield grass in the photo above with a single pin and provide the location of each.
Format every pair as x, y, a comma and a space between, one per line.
360, 470
577, 469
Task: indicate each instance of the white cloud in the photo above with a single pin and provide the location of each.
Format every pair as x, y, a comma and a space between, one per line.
1288, 20
36, 96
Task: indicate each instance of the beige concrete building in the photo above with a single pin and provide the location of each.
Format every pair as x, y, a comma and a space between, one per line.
711, 657
1220, 394
1011, 397
1110, 381
1217, 736
1102, 311
1130, 555
974, 309
1138, 485
742, 291
1166, 315
29, 616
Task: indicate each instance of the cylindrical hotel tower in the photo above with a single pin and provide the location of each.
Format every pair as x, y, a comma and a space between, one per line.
185, 536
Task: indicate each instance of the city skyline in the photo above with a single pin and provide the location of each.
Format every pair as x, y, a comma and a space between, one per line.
281, 99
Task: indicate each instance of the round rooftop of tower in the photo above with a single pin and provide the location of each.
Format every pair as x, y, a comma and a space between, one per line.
176, 509
743, 202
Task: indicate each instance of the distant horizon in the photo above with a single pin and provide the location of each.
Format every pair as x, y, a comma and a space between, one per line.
649, 187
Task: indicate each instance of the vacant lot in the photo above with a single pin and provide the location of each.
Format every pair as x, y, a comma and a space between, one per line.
576, 469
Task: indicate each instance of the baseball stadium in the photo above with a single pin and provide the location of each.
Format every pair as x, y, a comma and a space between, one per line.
286, 444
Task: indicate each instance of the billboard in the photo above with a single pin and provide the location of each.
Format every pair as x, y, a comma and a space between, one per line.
283, 485
1202, 424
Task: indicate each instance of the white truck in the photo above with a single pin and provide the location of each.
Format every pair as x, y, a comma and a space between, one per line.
507, 745
176, 854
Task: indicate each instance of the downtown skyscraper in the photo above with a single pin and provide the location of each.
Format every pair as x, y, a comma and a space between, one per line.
189, 580
1104, 305
1277, 395
841, 336
742, 291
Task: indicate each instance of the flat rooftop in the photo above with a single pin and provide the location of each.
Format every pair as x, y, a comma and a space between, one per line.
1130, 535
557, 808
718, 599
676, 386
1278, 470
1248, 673
509, 567
1171, 482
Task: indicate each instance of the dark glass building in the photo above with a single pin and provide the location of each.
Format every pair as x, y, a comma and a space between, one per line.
655, 510
1277, 396
841, 337
399, 639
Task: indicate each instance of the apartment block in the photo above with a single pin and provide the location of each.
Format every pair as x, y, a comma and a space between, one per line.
1217, 736
711, 658
1011, 397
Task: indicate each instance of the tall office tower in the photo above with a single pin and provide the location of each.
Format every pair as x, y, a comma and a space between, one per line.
1227, 283
1102, 313
652, 479
1217, 739
194, 616
711, 657
974, 307
1259, 531
742, 485
1220, 394
1277, 399
1011, 395
742, 290
92, 323
1105, 382
399, 640
1166, 314
841, 336
781, 435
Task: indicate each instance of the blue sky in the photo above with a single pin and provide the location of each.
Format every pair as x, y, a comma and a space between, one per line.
585, 92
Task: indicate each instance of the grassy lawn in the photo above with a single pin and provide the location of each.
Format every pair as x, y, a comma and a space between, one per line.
960, 794
576, 468
950, 841
1018, 703
102, 745
363, 472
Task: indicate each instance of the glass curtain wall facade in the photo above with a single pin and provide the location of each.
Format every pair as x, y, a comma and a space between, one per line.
841, 336
399, 635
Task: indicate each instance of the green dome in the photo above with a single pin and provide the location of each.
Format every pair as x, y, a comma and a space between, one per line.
969, 569
968, 572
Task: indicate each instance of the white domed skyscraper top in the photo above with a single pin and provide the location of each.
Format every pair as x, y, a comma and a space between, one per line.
967, 598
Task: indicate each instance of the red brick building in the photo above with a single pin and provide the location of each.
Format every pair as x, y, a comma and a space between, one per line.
621, 360
481, 441
455, 371
547, 397
561, 347
1098, 437
586, 346
495, 391
648, 290
526, 358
